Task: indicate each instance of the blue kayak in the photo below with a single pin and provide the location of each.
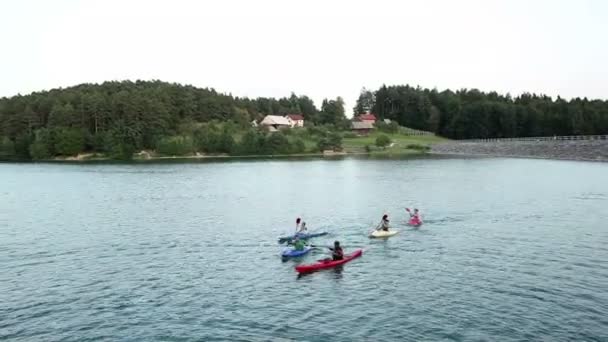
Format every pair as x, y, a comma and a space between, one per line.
292, 253
303, 236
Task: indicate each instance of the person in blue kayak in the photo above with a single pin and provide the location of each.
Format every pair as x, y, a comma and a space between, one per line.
384, 224
299, 244
337, 252
303, 228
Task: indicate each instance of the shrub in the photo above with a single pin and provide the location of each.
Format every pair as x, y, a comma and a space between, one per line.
349, 135
368, 149
298, 146
418, 147
43, 146
208, 139
39, 150
383, 141
393, 127
69, 141
175, 146
226, 143
330, 141
276, 143
251, 143
7, 147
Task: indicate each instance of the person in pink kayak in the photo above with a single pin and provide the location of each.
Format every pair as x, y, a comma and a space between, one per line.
414, 216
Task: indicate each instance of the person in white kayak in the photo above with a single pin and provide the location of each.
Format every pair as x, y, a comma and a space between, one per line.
298, 221
384, 224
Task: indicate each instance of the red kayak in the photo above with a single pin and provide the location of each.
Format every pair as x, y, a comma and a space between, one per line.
322, 264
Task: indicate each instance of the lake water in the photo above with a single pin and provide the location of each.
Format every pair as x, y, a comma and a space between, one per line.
512, 250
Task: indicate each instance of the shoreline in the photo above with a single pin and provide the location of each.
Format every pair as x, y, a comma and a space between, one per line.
193, 158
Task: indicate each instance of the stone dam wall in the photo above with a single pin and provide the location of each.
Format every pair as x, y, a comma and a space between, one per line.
592, 150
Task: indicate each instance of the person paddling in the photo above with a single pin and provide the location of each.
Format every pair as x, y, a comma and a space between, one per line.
298, 244
384, 224
337, 253
414, 216
303, 228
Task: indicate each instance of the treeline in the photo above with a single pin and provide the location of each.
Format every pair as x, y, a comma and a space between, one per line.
119, 118
470, 113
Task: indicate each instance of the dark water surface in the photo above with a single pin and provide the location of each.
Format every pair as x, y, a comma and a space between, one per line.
512, 250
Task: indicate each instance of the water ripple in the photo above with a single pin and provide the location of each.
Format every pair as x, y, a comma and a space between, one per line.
189, 252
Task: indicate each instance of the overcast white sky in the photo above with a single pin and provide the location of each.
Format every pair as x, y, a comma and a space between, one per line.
318, 48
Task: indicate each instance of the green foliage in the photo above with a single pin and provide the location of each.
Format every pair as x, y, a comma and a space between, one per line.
298, 146
7, 147
69, 141
121, 140
392, 128
43, 146
349, 135
226, 142
332, 111
251, 143
175, 146
39, 151
418, 147
330, 141
368, 149
470, 113
383, 141
254, 142
213, 139
22, 146
276, 143
121, 117
365, 102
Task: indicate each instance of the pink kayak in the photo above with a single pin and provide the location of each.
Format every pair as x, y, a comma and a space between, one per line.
322, 264
416, 222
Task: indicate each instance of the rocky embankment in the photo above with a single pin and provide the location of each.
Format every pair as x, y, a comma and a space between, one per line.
595, 150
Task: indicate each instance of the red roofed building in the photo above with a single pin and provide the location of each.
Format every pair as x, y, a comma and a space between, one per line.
371, 118
295, 120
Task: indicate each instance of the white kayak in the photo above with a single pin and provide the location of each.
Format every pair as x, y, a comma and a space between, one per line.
383, 233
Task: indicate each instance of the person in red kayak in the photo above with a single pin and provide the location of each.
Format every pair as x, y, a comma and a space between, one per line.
337, 252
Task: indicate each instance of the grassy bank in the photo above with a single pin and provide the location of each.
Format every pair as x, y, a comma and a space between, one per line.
400, 143
222, 141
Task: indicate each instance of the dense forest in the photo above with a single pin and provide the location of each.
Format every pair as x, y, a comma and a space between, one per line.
465, 114
119, 118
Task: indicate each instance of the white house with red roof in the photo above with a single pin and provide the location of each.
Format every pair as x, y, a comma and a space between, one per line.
295, 120
366, 117
275, 122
